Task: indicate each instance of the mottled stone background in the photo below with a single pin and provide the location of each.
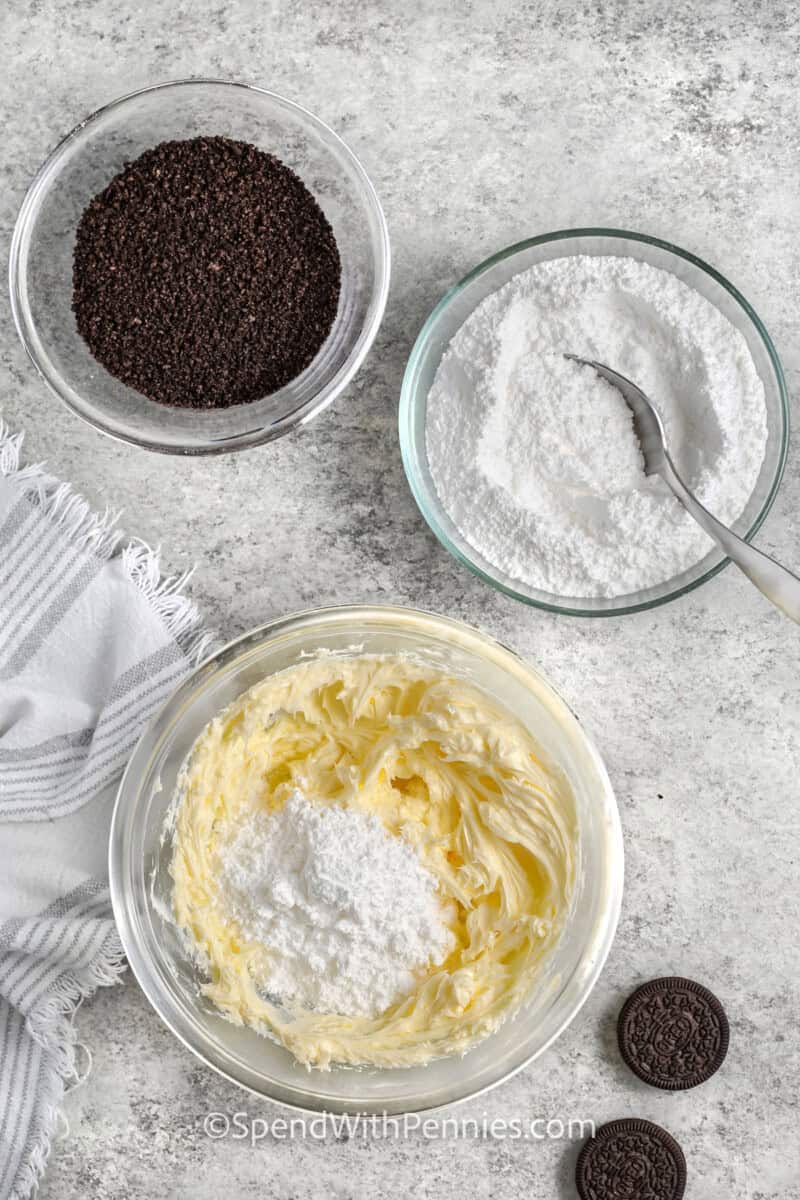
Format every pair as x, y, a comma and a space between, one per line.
480, 123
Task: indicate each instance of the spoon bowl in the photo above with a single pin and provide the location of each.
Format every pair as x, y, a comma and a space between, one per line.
777, 583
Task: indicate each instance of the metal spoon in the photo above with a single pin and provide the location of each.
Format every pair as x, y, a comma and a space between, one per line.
777, 583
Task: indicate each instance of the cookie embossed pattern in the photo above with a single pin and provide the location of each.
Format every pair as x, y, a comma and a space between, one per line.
673, 1033
631, 1159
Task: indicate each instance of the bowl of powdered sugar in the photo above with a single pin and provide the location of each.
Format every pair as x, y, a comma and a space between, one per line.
528, 469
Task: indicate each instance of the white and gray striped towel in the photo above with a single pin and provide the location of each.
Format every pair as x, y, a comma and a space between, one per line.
91, 643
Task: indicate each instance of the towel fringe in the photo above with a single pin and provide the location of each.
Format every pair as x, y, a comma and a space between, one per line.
165, 595
98, 534
10, 447
51, 1024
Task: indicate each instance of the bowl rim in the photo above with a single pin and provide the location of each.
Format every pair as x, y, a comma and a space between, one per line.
252, 437
409, 401
139, 960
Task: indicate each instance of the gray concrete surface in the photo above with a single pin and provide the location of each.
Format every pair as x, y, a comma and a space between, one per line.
480, 123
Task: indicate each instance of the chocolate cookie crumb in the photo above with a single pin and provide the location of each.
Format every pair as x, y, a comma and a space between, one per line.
205, 274
631, 1160
673, 1033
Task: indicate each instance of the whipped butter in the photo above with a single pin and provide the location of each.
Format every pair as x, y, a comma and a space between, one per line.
443, 766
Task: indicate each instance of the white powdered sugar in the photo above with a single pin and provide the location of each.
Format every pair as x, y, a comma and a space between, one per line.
347, 912
535, 457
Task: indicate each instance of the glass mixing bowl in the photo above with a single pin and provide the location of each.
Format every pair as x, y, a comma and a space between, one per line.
89, 157
450, 314
140, 856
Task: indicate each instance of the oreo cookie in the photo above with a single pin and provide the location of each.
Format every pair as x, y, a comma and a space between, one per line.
631, 1160
673, 1033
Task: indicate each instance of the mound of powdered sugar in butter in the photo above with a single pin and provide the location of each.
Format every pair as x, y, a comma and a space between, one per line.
347, 912
535, 458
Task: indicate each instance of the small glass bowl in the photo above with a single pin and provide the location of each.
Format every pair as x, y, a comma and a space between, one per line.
88, 158
462, 299
140, 854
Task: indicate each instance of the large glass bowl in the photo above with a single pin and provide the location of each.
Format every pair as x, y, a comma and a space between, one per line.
141, 885
462, 299
88, 158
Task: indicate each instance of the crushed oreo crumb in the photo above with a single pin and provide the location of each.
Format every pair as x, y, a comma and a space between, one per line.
205, 274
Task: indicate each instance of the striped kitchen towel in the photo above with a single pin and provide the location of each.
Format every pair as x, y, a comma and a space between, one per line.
92, 641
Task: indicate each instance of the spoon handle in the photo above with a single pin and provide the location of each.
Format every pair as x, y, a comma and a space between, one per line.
776, 582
